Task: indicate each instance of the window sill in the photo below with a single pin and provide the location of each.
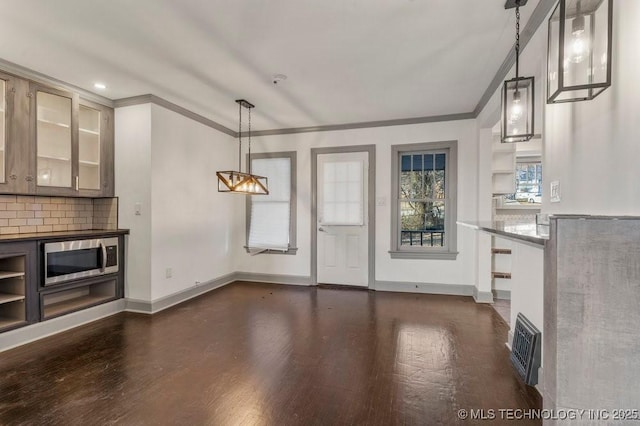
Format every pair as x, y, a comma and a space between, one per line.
397, 254
291, 251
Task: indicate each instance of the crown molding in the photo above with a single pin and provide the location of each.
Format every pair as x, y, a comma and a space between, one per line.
29, 74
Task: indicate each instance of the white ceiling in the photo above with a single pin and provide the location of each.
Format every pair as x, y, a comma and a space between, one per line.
346, 60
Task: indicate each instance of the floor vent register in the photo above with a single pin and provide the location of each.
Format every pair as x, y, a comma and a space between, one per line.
525, 350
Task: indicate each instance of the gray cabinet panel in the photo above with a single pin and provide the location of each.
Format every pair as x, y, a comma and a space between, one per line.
17, 146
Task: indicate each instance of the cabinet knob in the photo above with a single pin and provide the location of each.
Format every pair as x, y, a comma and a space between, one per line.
29, 95
13, 177
28, 178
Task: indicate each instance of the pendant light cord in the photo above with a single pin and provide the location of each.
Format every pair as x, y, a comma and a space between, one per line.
249, 157
517, 44
240, 137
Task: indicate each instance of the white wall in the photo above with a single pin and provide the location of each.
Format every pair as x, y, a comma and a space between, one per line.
460, 271
167, 163
192, 223
593, 147
133, 185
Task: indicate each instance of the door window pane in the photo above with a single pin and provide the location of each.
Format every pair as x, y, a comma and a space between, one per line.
342, 201
89, 149
53, 140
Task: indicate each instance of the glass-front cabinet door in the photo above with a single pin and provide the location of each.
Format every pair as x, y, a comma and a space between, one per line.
55, 135
95, 153
89, 149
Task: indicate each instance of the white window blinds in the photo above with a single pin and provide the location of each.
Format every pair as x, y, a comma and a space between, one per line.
270, 214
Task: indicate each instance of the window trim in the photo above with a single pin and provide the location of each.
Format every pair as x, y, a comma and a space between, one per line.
449, 252
293, 203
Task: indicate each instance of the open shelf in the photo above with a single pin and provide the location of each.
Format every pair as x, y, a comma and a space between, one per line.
10, 322
59, 308
7, 298
78, 297
12, 291
11, 274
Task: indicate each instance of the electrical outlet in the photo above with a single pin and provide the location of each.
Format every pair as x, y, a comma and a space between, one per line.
168, 273
138, 209
197, 283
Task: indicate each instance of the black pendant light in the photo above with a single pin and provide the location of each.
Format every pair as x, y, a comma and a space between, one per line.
237, 181
517, 95
579, 62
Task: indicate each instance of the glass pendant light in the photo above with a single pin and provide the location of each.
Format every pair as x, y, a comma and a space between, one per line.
579, 62
237, 181
517, 95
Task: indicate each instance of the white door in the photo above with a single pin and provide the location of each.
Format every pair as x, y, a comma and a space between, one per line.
342, 226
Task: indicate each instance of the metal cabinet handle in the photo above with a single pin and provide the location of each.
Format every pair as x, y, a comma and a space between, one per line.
13, 177
104, 257
28, 178
77, 183
322, 230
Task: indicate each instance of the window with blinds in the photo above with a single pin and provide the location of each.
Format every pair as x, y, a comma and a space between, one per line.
271, 218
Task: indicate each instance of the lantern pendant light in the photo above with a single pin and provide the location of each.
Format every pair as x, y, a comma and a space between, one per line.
579, 61
237, 181
517, 95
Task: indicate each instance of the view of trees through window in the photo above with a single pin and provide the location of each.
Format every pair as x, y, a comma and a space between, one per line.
423, 199
528, 184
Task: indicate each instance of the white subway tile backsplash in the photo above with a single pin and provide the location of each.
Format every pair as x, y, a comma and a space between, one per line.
28, 214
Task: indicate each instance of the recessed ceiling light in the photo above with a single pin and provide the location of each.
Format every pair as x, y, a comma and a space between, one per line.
100, 86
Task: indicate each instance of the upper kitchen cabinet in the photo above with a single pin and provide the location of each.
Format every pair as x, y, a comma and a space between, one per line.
54, 129
15, 148
95, 150
52, 142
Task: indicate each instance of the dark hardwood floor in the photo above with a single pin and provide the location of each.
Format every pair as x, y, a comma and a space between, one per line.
266, 354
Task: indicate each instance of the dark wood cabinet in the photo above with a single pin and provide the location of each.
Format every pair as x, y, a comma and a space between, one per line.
53, 143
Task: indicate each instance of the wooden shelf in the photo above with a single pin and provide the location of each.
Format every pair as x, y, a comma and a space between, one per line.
503, 275
8, 322
500, 251
60, 308
10, 274
90, 132
7, 298
503, 172
50, 157
53, 123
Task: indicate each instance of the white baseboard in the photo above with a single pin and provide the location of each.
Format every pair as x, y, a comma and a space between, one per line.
427, 288
273, 278
482, 296
145, 307
502, 294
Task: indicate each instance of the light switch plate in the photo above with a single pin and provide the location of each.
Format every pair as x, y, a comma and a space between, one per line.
555, 191
138, 209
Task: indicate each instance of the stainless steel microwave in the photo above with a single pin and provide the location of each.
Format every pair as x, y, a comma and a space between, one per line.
69, 260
